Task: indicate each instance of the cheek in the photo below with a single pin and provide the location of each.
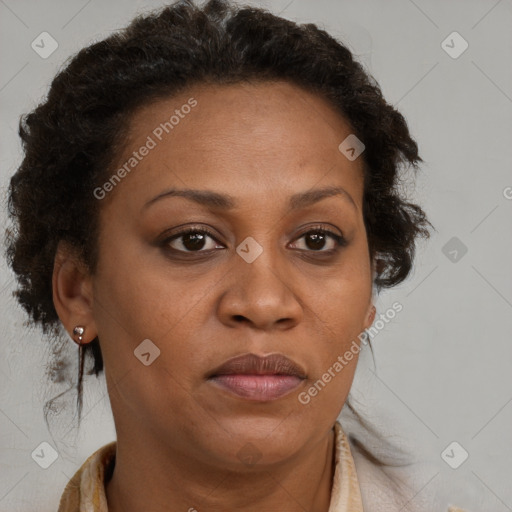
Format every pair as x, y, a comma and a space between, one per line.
342, 297
339, 311
136, 299
142, 296
145, 305
340, 318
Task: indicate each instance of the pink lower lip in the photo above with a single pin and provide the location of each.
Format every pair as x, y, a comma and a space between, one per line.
258, 387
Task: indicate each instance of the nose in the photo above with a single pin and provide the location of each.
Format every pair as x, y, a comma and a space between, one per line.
261, 294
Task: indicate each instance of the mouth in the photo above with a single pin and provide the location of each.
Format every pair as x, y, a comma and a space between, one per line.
258, 388
256, 378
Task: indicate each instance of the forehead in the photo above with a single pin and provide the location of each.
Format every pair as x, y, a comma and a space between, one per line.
252, 138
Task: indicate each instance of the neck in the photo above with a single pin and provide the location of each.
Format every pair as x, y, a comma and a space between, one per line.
154, 477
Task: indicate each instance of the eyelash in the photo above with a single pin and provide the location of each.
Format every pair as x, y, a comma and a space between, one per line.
339, 239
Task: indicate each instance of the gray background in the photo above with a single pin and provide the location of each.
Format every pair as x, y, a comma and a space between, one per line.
443, 365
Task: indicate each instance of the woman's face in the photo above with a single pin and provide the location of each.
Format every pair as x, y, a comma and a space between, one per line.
265, 281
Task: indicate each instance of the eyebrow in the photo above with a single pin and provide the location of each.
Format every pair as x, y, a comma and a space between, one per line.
216, 200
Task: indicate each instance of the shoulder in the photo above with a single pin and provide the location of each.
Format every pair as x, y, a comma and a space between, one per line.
382, 488
388, 488
87, 486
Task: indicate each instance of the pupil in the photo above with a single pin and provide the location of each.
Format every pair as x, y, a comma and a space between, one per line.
318, 241
196, 239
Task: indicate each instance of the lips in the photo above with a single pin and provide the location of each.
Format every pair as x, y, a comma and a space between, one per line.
252, 364
256, 378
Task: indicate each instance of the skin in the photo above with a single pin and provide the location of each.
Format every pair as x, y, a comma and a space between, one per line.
178, 436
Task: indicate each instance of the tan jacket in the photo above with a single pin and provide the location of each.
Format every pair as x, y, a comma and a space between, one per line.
85, 492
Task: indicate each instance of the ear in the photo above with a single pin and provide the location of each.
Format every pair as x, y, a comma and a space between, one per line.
371, 311
370, 315
72, 291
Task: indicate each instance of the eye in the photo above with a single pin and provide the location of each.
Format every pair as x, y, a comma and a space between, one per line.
196, 240
192, 240
316, 239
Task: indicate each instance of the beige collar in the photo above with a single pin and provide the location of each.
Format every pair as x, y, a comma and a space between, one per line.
85, 492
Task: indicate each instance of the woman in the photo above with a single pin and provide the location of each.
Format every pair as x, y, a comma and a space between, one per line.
208, 203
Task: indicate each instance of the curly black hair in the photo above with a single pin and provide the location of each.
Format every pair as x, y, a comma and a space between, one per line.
72, 138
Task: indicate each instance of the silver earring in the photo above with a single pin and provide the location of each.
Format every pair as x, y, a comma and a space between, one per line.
79, 331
